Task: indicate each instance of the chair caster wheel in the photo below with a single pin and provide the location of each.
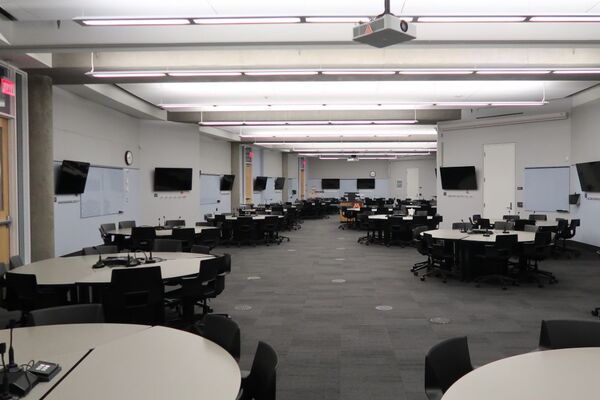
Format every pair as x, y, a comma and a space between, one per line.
422, 279
415, 273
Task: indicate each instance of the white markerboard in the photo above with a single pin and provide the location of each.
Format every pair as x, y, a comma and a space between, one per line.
547, 189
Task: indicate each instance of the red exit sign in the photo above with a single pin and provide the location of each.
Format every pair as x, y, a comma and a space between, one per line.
8, 87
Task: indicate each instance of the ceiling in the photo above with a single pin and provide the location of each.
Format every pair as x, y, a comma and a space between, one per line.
327, 113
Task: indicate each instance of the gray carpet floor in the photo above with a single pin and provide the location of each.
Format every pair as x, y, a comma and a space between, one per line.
334, 344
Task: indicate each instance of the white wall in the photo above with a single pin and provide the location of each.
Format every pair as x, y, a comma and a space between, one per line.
427, 177
86, 131
541, 144
343, 169
585, 147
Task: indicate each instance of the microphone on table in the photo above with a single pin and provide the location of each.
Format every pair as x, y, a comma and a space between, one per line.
12, 366
99, 263
131, 261
463, 228
4, 394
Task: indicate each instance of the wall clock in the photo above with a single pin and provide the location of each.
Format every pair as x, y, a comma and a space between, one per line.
128, 157
372, 174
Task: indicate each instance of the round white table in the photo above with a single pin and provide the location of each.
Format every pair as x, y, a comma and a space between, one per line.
543, 375
405, 218
74, 270
455, 234
127, 362
159, 232
254, 217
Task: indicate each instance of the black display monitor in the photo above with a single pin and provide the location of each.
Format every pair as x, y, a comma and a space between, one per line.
260, 183
227, 182
365, 184
279, 183
589, 176
72, 177
458, 178
330, 184
172, 179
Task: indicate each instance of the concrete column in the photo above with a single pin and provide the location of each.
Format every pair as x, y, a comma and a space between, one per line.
41, 169
236, 169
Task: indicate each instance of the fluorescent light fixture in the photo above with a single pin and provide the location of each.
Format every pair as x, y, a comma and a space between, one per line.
281, 73
359, 72
566, 18
518, 103
330, 158
247, 20
471, 19
309, 134
310, 122
220, 123
576, 71
294, 107
509, 71
127, 74
334, 20
132, 21
362, 154
204, 73
424, 71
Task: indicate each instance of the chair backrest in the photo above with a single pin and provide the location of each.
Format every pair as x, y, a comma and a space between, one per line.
510, 217
261, 383
208, 216
458, 225
538, 217
223, 331
186, 235
520, 224
506, 243
417, 230
170, 223
142, 237
3, 270
200, 249
105, 228
531, 228
135, 296
126, 224
501, 225
72, 314
420, 213
16, 261
476, 217
168, 245
484, 223
542, 238
102, 249
447, 362
564, 334
21, 291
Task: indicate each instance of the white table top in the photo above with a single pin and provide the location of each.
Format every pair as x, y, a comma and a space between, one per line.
406, 218
254, 217
71, 270
543, 375
128, 362
454, 234
159, 232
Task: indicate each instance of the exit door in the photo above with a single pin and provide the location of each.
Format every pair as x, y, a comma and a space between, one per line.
498, 180
4, 206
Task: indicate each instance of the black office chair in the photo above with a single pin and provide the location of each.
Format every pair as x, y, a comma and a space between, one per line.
565, 234
538, 251
483, 223
196, 290
441, 255
475, 218
567, 334
421, 213
126, 224
521, 223
493, 262
223, 331
200, 249
510, 217
102, 249
244, 231
167, 246
503, 225
270, 230
463, 226
187, 237
106, 237
142, 238
261, 383
209, 238
16, 262
445, 363
135, 296
23, 293
420, 244
399, 231
71, 314
172, 223
6, 317
538, 217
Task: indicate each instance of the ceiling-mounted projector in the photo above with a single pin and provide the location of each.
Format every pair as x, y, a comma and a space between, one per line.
385, 30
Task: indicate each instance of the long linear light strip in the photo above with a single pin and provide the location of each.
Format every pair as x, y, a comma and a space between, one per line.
444, 19
293, 107
300, 123
309, 135
333, 154
347, 72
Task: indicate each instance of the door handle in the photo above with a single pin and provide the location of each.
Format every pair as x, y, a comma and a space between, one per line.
6, 222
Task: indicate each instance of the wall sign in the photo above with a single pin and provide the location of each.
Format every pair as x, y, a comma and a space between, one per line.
8, 87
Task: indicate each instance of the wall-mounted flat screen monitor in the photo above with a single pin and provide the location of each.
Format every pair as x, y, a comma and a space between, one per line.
589, 176
260, 183
227, 183
172, 179
365, 184
330, 184
72, 177
458, 178
279, 183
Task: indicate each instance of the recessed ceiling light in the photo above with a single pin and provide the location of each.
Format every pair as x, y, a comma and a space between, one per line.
471, 19
247, 20
132, 21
